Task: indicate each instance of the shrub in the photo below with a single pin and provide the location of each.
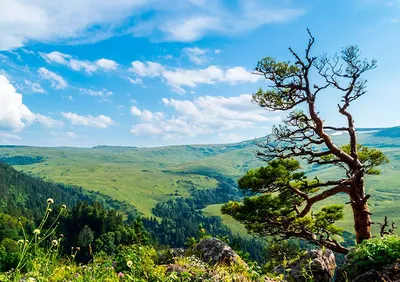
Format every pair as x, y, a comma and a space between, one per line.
372, 254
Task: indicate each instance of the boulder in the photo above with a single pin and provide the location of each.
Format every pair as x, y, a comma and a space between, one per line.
389, 273
214, 251
316, 265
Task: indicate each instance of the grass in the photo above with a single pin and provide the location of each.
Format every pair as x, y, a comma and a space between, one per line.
236, 227
145, 176
124, 174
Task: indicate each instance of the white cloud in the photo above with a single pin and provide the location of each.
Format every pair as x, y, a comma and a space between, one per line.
135, 111
150, 69
52, 21
397, 122
196, 55
70, 134
77, 21
48, 121
240, 75
178, 78
57, 81
3, 58
103, 93
14, 115
34, 87
217, 18
107, 64
137, 80
217, 51
101, 121
203, 115
78, 65
9, 135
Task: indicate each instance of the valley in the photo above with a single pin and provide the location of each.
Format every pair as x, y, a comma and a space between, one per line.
144, 177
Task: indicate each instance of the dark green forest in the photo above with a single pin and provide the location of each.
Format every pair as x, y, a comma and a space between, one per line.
96, 223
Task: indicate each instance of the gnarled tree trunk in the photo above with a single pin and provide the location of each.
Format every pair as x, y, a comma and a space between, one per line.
362, 216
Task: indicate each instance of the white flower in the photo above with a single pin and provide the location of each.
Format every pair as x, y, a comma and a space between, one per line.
36, 231
129, 263
54, 242
50, 201
49, 210
63, 207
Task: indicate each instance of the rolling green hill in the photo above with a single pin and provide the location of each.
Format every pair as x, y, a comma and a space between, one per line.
145, 176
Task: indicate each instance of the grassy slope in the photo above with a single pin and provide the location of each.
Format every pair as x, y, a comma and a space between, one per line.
123, 173
148, 175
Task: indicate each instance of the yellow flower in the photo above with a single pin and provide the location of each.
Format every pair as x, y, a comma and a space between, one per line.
20, 242
50, 201
36, 231
129, 263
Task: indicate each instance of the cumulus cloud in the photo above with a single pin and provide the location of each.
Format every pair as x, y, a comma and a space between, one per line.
78, 65
100, 121
14, 115
57, 81
178, 78
77, 21
107, 64
203, 115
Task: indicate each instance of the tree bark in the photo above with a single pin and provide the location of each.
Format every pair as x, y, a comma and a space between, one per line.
362, 216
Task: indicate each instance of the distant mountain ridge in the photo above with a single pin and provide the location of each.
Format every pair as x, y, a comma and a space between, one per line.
392, 132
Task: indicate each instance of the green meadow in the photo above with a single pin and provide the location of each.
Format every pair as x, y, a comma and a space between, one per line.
145, 176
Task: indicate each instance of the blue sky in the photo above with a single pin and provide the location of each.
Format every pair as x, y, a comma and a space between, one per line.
153, 73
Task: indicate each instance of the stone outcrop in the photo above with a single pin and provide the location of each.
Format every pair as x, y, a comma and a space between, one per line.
214, 251
317, 265
389, 273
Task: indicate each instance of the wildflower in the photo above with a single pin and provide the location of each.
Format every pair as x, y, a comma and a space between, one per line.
49, 210
50, 201
61, 235
54, 242
120, 274
76, 275
129, 263
20, 242
36, 231
63, 207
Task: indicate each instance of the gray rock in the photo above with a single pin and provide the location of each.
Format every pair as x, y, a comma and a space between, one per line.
214, 251
175, 268
389, 273
318, 265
